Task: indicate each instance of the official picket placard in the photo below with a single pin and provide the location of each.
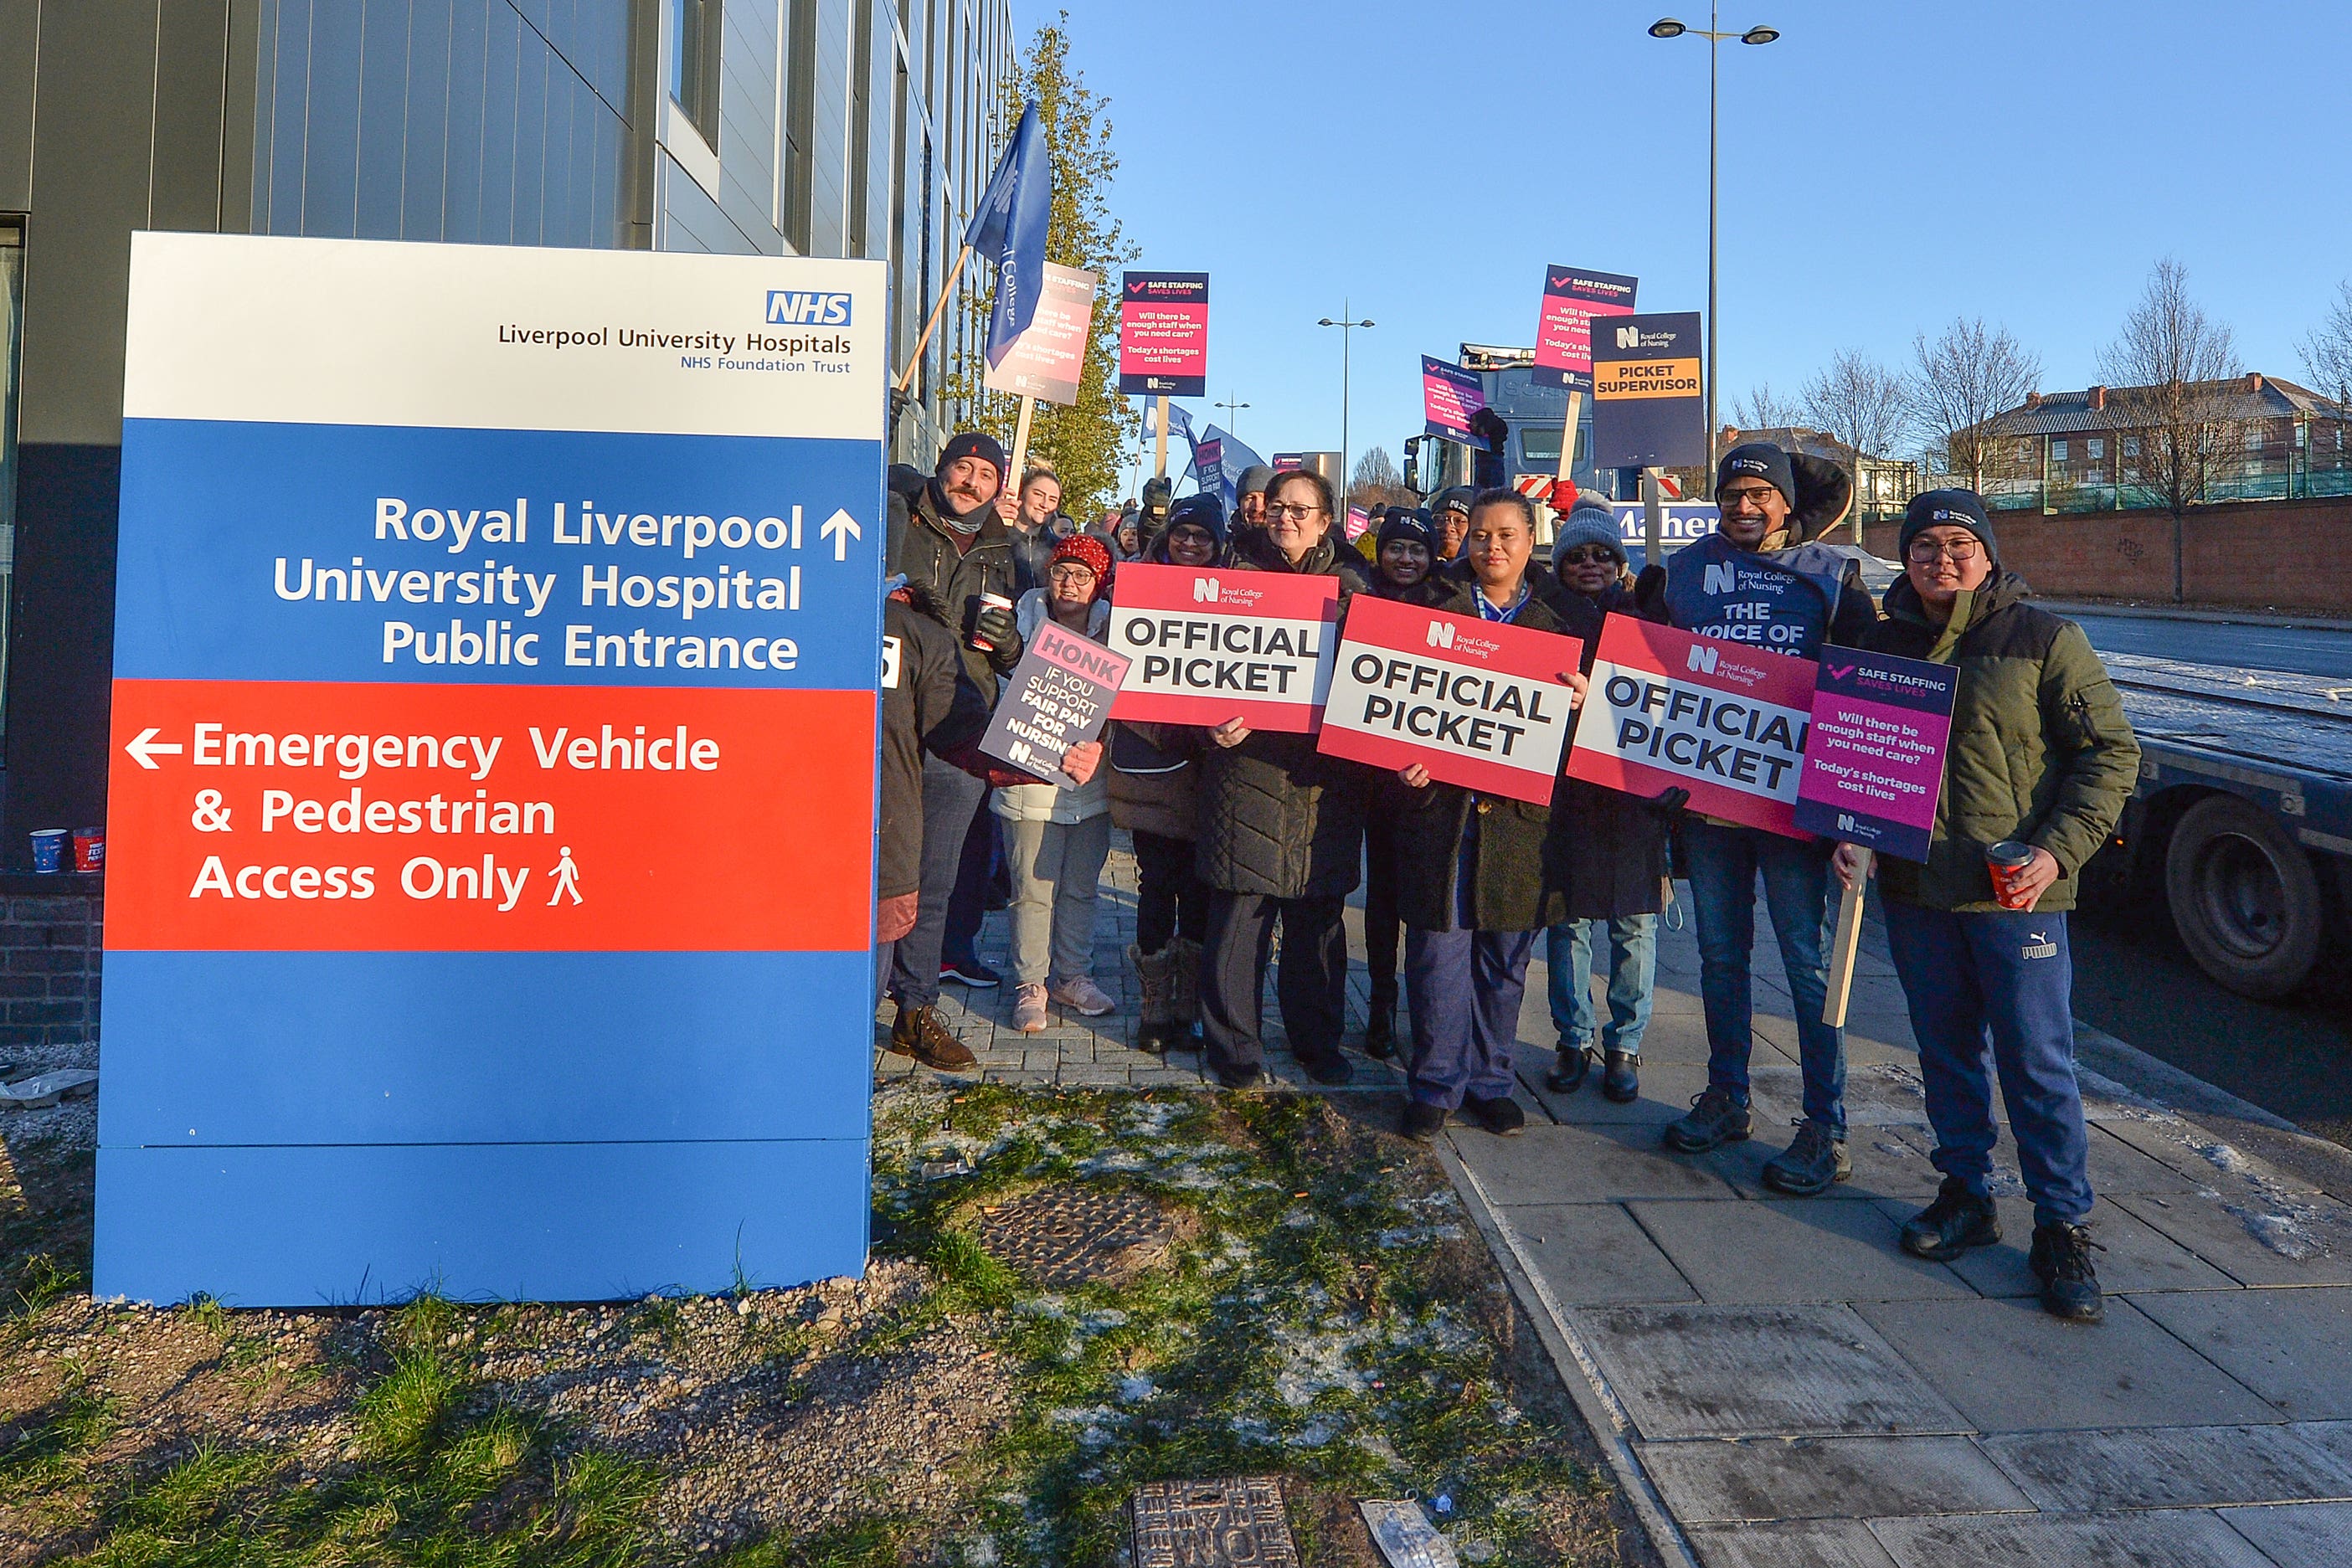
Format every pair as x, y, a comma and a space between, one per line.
497, 644
1450, 398
1047, 360
1874, 763
1058, 696
1647, 402
1572, 298
1727, 723
1210, 644
1163, 334
1478, 703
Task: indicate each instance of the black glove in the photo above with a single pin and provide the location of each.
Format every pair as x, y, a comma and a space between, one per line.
1650, 592
996, 628
900, 402
1669, 801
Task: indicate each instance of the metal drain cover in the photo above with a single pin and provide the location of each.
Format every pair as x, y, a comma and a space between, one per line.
1068, 1235
1236, 1522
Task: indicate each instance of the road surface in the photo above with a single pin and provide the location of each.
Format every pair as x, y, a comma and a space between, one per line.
2246, 645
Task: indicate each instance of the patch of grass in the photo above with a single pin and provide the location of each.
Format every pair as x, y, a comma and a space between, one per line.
53, 1446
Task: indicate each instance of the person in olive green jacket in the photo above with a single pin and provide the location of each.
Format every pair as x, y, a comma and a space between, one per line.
2041, 757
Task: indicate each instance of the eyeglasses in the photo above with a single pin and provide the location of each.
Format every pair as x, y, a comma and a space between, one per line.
1925, 551
1589, 554
1070, 571
1295, 513
1746, 496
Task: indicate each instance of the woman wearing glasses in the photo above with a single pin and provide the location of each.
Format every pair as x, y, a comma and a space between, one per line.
1606, 857
1282, 834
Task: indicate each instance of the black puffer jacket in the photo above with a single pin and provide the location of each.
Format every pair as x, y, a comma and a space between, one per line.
945, 583
1606, 853
1507, 891
1277, 818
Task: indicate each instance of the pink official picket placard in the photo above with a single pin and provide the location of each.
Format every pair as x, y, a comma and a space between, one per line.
1478, 703
1720, 719
1209, 644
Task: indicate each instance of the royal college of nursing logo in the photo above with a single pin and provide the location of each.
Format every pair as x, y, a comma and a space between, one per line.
803, 308
1441, 634
1703, 658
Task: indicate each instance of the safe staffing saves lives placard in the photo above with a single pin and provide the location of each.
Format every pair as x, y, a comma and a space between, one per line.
492, 792
1875, 762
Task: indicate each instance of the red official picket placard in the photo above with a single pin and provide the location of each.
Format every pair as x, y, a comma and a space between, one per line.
1478, 703
1211, 643
382, 817
1722, 720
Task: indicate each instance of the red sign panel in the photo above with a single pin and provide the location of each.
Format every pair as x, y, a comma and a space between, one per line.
1209, 644
1163, 334
1478, 703
374, 817
1722, 720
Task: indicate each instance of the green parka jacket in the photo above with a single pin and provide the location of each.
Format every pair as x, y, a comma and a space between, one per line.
2039, 752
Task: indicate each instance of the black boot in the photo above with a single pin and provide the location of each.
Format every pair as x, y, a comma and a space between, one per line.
1380, 1025
1958, 1220
2061, 1259
1621, 1078
1568, 1070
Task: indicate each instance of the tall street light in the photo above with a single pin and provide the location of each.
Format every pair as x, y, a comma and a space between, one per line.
1347, 338
1667, 27
1233, 410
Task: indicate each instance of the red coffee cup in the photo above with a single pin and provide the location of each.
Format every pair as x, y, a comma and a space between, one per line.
989, 601
2006, 861
89, 849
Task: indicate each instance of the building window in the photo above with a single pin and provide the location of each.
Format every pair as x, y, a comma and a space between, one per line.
694, 64
2057, 452
799, 216
2131, 445
12, 325
2094, 447
2025, 452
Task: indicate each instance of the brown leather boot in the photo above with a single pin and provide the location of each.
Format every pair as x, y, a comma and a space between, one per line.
1156, 971
1183, 991
920, 1033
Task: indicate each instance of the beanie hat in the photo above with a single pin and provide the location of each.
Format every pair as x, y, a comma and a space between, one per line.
1939, 508
1456, 499
1589, 522
1087, 551
1406, 523
1758, 460
973, 443
1204, 511
1255, 479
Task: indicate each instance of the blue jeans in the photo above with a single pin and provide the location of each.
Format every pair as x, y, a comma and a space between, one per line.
951, 796
1463, 989
2001, 981
1724, 864
1632, 979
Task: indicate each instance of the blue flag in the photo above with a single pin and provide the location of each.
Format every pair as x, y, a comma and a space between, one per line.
1219, 461
1179, 422
1009, 228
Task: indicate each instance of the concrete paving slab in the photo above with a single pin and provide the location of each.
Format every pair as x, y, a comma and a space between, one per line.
1722, 1372
1887, 1163
1880, 1095
1581, 1165
2138, 1256
1594, 1254
2292, 1348
1807, 1250
2189, 1149
2010, 1367
2298, 1537
1667, 1090
2289, 1239
1815, 1543
1828, 1478
2333, 1437
2175, 1466
2184, 1538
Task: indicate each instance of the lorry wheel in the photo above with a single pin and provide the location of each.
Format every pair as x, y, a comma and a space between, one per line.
2244, 897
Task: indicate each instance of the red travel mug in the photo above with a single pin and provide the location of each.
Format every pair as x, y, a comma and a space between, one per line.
2006, 861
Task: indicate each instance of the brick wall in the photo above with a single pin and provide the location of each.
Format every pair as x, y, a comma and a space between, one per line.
50, 944
2250, 555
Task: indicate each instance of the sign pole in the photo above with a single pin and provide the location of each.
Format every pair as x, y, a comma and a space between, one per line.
1567, 457
906, 373
1020, 441
1848, 943
1159, 456
1654, 517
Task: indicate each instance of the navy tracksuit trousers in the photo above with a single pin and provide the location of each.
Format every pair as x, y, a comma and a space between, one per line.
1998, 983
1462, 987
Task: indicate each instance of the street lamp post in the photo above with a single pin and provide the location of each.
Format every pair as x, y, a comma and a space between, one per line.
1233, 410
1667, 27
1347, 326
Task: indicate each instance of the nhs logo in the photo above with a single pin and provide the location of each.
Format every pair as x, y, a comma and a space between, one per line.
801, 308
1441, 634
1702, 658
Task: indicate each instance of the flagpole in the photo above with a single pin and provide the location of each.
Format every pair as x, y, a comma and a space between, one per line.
907, 374
1020, 441
1161, 459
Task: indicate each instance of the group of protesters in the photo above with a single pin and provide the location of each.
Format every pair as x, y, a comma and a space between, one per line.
1237, 833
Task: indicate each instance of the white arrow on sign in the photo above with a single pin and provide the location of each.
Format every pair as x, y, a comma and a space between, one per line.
144, 747
841, 527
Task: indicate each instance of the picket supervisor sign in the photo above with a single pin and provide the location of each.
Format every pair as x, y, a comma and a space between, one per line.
1208, 645
1479, 703
491, 816
1723, 720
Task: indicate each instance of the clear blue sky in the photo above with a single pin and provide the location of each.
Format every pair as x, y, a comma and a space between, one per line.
1886, 165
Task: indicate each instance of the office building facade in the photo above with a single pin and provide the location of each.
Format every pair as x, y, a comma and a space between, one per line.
836, 127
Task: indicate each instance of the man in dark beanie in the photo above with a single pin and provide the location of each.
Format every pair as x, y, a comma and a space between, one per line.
1249, 504
2040, 755
1449, 517
948, 542
1754, 581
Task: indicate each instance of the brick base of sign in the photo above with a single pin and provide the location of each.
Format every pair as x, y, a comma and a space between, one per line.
51, 937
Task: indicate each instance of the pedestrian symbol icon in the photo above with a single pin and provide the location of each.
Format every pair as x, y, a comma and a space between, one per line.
567, 879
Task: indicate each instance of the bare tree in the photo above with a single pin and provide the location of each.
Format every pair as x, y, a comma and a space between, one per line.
2327, 351
1959, 388
2171, 368
1764, 409
1376, 470
1858, 401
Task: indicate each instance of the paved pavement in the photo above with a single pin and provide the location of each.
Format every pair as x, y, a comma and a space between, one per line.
1777, 1384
